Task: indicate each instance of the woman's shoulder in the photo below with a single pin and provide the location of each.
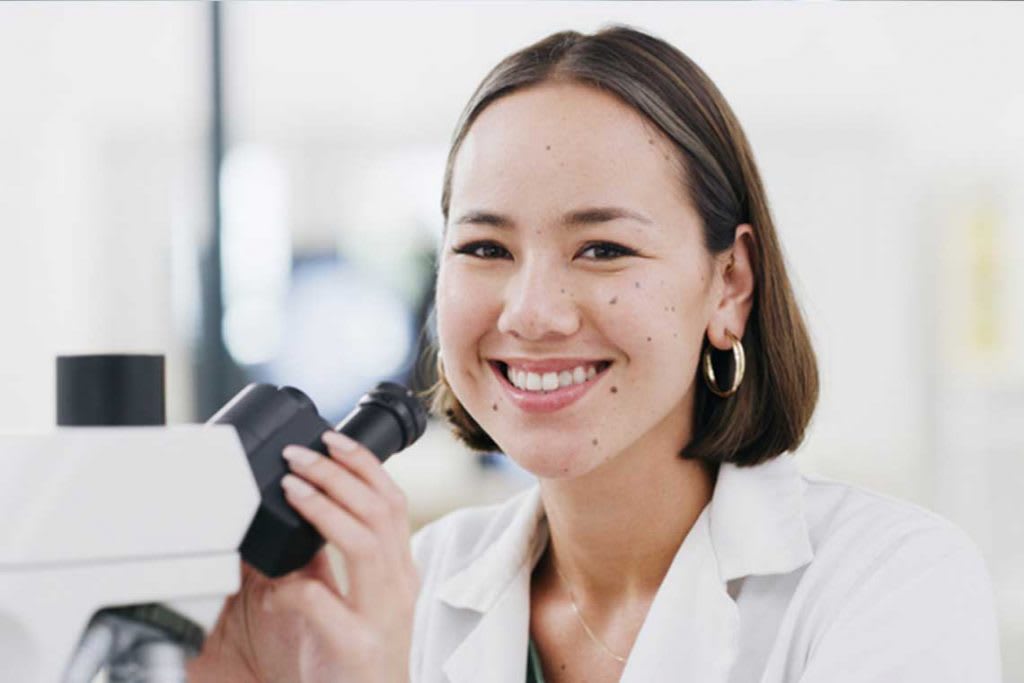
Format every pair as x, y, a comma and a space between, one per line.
887, 566
892, 591
847, 519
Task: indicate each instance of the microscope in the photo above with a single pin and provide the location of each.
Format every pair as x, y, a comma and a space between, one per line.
121, 537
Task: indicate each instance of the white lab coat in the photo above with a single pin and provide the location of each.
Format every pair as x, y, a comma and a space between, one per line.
783, 578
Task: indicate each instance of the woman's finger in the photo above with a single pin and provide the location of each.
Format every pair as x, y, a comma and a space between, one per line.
342, 485
366, 466
365, 555
320, 568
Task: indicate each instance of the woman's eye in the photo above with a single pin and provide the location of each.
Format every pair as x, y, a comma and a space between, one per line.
483, 250
605, 251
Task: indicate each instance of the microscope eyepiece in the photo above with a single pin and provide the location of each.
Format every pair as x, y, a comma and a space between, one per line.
386, 420
404, 405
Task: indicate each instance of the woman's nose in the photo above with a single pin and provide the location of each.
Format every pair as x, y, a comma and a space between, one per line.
538, 305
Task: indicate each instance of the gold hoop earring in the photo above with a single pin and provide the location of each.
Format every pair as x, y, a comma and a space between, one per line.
739, 358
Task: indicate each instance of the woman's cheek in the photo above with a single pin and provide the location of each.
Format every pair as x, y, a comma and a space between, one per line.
462, 319
454, 299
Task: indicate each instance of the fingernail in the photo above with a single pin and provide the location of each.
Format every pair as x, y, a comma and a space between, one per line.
297, 455
296, 487
340, 441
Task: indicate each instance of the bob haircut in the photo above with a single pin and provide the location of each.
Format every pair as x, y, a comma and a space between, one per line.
770, 411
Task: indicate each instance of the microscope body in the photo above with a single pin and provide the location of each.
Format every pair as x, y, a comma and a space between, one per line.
121, 538
95, 517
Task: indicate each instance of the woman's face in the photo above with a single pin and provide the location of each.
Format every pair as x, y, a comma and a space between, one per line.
572, 259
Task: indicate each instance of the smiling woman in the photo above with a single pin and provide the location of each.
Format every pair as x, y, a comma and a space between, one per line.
562, 274
593, 126
614, 315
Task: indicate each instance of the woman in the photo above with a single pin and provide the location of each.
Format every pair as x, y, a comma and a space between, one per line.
614, 314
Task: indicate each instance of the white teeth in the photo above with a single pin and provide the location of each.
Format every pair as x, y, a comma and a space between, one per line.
550, 381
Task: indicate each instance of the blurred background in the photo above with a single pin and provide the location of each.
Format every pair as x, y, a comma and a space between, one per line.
253, 190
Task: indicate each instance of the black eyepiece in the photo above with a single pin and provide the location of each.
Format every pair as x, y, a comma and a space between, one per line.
386, 420
267, 418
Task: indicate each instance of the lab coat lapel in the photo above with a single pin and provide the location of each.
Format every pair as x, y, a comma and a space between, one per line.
497, 586
496, 648
692, 628
754, 525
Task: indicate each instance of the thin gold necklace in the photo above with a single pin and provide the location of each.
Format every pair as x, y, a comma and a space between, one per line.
576, 608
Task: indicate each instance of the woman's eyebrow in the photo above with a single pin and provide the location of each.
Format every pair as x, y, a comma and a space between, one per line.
579, 217
485, 218
603, 214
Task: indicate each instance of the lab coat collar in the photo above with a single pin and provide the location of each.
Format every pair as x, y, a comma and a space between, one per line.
497, 584
754, 524
507, 547
757, 519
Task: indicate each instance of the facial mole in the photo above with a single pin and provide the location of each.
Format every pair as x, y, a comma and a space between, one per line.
593, 441
650, 141
494, 406
673, 309
648, 339
615, 390
614, 300
637, 285
547, 147
562, 291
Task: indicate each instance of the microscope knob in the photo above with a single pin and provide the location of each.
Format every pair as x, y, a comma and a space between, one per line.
176, 627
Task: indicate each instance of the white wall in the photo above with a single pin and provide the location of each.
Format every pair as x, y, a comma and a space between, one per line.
101, 152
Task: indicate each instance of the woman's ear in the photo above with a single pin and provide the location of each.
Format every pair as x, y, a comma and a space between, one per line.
735, 269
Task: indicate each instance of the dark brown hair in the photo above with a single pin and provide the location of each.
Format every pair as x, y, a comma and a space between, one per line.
770, 411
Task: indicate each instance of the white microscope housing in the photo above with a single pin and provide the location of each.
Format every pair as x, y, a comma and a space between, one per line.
119, 544
95, 517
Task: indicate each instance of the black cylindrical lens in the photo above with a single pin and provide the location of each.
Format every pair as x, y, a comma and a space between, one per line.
386, 420
110, 390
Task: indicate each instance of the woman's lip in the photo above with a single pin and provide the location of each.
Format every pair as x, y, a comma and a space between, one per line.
543, 401
551, 364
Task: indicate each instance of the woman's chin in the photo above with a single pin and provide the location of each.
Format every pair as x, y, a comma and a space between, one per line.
555, 462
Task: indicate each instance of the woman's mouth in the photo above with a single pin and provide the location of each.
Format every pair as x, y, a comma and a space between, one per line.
545, 386
550, 381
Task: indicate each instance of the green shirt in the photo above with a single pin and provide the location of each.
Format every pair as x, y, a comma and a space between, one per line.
534, 670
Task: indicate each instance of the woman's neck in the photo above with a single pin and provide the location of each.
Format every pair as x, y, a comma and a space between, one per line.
615, 530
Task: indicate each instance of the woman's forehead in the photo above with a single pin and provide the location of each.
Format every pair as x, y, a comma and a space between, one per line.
562, 141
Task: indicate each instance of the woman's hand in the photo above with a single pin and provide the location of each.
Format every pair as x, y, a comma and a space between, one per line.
302, 627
